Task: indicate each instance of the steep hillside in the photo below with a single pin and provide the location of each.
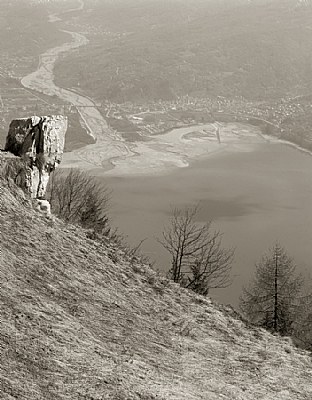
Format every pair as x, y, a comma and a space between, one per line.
81, 321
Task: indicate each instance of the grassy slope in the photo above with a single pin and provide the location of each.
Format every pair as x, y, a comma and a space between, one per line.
79, 321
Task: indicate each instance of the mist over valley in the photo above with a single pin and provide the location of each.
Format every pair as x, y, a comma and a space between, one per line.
159, 90
155, 199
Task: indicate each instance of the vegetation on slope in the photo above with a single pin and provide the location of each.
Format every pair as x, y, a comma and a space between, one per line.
259, 50
80, 320
25, 34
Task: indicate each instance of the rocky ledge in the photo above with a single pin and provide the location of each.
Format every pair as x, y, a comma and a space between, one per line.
34, 147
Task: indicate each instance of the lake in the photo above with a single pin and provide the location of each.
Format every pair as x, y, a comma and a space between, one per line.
255, 196
256, 193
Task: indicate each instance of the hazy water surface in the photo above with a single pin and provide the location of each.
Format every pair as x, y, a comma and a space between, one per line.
254, 197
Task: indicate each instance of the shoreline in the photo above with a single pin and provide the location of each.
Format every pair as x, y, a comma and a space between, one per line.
295, 146
160, 153
179, 147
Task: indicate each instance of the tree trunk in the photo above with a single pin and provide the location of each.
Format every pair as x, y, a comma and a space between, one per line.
275, 292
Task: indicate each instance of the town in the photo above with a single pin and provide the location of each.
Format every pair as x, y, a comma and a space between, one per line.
136, 121
276, 118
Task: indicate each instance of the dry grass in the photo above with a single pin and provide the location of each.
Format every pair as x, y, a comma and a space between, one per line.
74, 324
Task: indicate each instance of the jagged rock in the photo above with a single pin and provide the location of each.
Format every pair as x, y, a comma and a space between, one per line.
39, 142
44, 207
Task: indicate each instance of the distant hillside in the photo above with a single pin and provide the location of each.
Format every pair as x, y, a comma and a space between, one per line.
25, 33
80, 320
142, 51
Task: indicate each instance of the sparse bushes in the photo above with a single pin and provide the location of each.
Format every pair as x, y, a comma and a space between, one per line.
78, 198
199, 262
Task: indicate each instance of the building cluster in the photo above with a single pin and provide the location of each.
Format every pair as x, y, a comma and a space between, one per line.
158, 116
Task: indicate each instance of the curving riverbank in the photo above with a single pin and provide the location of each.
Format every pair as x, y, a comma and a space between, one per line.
108, 143
110, 153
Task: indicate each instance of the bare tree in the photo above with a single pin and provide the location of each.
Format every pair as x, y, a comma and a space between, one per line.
271, 300
79, 198
199, 262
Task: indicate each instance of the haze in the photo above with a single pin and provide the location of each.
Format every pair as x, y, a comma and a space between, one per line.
176, 103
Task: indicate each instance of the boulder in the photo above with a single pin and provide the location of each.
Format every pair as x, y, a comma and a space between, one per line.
43, 206
39, 143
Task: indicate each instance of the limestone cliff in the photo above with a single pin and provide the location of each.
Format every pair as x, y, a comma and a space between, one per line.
39, 143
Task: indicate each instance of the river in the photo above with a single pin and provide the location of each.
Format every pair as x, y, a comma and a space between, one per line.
110, 152
256, 190
108, 143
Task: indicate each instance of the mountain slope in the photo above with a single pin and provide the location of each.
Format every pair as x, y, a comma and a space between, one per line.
259, 49
80, 321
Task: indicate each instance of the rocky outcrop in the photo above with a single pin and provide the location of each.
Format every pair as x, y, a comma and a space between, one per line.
39, 144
